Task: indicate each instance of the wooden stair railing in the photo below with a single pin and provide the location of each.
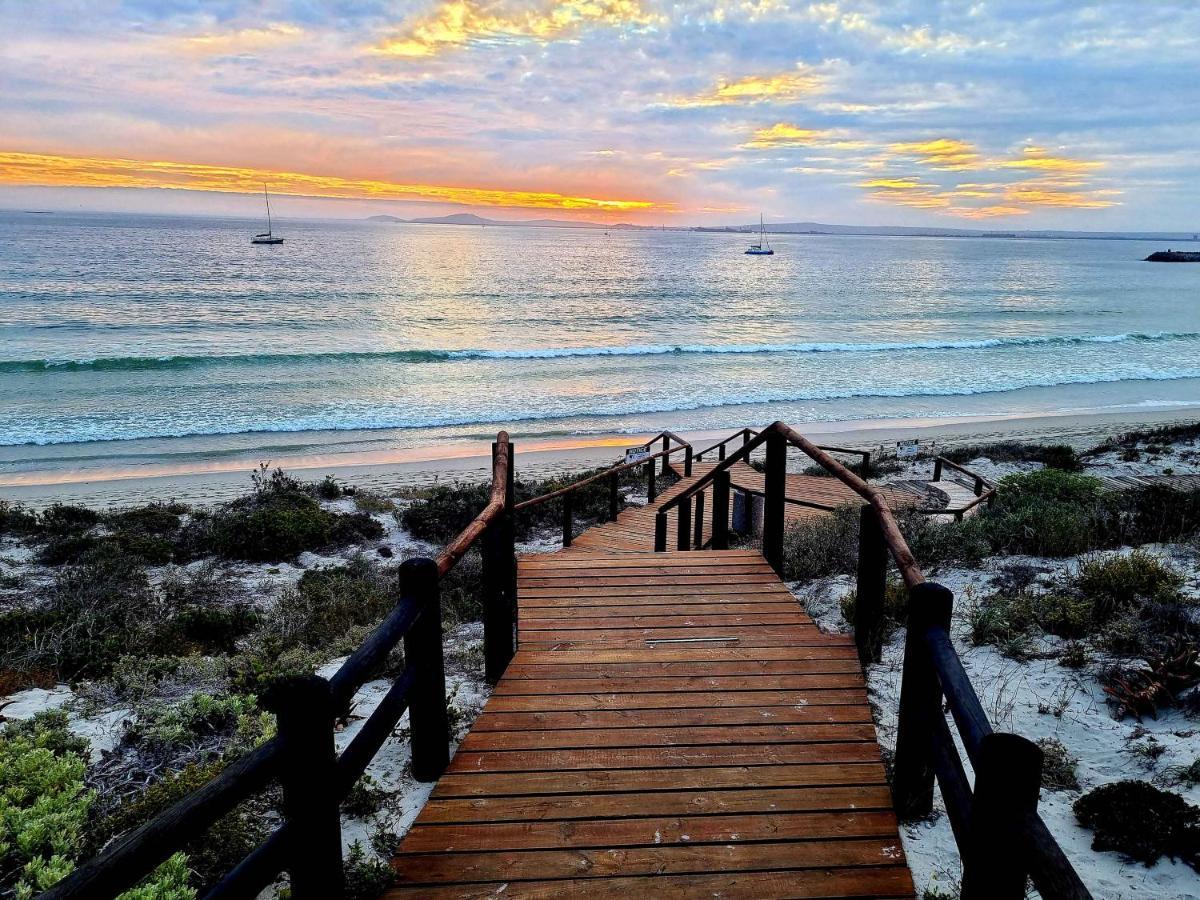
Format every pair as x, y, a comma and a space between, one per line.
1001, 839
302, 758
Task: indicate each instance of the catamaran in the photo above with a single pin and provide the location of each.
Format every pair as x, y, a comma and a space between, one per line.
762, 248
266, 237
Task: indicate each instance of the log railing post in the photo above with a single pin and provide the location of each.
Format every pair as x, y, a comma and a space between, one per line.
660, 532
614, 497
498, 558
428, 722
683, 527
929, 606
651, 493
721, 453
568, 518
687, 462
698, 542
937, 469
720, 511
978, 486
666, 460
308, 773
1008, 778
745, 436
872, 587
773, 502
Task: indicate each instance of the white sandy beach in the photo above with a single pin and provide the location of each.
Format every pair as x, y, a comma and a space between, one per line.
193, 473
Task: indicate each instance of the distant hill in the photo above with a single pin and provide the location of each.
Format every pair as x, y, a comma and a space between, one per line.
798, 228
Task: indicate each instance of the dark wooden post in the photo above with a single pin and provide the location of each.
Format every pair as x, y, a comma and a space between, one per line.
651, 493
666, 460
721, 453
978, 486
308, 772
872, 586
683, 527
660, 532
428, 722
699, 524
773, 502
498, 558
568, 518
745, 436
720, 511
937, 469
1008, 778
929, 606
614, 497
687, 462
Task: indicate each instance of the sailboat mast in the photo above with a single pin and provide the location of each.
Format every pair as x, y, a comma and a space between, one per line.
268, 202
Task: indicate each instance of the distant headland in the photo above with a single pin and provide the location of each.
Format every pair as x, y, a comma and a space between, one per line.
1173, 256
807, 228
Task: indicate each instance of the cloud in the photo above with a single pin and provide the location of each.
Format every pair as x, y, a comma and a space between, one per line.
458, 23
781, 87
64, 171
944, 154
240, 41
781, 134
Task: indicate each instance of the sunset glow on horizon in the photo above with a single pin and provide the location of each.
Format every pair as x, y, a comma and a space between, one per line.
703, 113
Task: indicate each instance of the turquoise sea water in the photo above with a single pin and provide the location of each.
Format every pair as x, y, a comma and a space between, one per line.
116, 328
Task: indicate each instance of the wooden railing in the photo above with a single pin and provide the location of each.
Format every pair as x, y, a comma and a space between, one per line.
1001, 839
302, 757
671, 443
985, 490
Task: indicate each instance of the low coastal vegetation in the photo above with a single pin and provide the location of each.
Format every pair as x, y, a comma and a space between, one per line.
169, 623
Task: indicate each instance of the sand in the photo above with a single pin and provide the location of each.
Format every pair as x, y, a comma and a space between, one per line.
192, 473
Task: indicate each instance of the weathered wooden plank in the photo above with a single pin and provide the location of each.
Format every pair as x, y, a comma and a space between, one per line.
660, 757
566, 807
880, 882
535, 687
728, 735
426, 868
494, 784
655, 831
518, 671
670, 717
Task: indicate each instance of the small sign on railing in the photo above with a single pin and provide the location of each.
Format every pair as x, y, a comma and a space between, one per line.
907, 449
637, 454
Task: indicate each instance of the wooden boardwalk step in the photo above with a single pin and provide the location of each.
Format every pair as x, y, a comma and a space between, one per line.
672, 725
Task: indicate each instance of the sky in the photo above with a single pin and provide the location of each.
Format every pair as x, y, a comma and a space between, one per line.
1019, 114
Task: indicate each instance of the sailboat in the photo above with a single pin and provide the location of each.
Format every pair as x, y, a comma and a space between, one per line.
762, 248
266, 237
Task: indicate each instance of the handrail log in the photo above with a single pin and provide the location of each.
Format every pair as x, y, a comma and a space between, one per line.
1051, 871
373, 651
740, 433
458, 548
584, 482
940, 461
141, 852
905, 561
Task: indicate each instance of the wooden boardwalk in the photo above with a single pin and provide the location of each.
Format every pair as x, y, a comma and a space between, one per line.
672, 725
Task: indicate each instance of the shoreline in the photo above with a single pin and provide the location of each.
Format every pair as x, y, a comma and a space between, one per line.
198, 479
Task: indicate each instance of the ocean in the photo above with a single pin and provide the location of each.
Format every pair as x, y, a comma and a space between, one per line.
164, 333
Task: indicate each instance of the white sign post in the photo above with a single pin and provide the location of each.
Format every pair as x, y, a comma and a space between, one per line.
636, 454
907, 449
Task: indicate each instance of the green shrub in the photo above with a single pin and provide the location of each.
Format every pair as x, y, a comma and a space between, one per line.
1141, 822
329, 601
364, 799
1126, 581
17, 520
1054, 456
895, 606
366, 876
61, 519
93, 613
153, 518
818, 546
328, 488
462, 591
223, 846
1058, 766
161, 730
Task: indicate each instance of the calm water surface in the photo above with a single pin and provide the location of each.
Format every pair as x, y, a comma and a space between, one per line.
118, 328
